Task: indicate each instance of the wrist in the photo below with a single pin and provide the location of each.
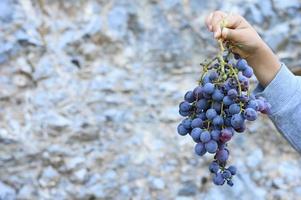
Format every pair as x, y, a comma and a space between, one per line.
265, 63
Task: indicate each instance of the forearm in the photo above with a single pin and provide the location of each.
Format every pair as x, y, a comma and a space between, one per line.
264, 63
283, 93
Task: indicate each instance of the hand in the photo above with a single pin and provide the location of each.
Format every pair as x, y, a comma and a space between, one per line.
246, 42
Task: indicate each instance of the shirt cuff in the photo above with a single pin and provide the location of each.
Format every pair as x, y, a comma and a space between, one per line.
280, 90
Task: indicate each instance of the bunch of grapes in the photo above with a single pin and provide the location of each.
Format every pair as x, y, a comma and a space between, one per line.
218, 108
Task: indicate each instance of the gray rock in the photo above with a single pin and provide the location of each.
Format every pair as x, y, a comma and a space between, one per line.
6, 11
255, 158
26, 192
49, 177
276, 36
7, 192
283, 5
157, 183
189, 188
117, 21
44, 69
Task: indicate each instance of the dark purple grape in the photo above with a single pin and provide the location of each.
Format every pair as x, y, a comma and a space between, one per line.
185, 106
227, 101
213, 167
218, 179
232, 93
213, 75
200, 149
248, 72
241, 129
198, 92
182, 130
253, 104
195, 134
215, 134
237, 121
208, 88
234, 109
236, 56
202, 116
211, 113
206, 79
197, 122
205, 136
189, 97
250, 114
232, 169
202, 104
217, 95
241, 64
222, 155
184, 114
218, 121
227, 174
211, 146
226, 135
187, 123
230, 183
217, 106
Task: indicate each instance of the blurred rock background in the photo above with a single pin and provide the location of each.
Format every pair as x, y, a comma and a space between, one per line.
89, 93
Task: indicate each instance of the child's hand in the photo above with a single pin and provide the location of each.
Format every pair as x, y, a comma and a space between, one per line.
247, 43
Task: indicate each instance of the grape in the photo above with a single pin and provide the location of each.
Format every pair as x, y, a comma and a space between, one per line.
248, 72
202, 116
218, 121
227, 101
232, 169
218, 179
211, 113
185, 106
237, 120
197, 122
250, 114
213, 76
187, 123
189, 97
222, 155
196, 133
206, 79
211, 146
227, 174
182, 130
217, 108
226, 135
241, 64
230, 183
232, 93
205, 136
200, 149
198, 92
215, 134
253, 104
234, 109
208, 88
217, 95
202, 104
213, 167
184, 114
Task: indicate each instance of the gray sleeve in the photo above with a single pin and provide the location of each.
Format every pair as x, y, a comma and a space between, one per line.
284, 95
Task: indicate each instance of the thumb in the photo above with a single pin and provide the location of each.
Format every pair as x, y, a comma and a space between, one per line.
230, 34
